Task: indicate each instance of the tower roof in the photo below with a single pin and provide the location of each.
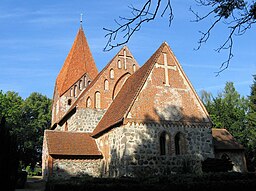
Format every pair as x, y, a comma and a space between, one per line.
78, 62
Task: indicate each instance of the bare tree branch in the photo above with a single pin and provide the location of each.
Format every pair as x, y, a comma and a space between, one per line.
241, 21
129, 26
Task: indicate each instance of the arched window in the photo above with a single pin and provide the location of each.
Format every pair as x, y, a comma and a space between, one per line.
75, 91
88, 102
111, 74
80, 85
119, 64
85, 81
89, 82
180, 144
69, 101
97, 100
71, 92
106, 85
164, 143
134, 67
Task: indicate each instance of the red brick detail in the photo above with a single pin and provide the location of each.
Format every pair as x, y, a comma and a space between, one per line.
78, 62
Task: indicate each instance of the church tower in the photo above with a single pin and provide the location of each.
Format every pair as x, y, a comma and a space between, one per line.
78, 70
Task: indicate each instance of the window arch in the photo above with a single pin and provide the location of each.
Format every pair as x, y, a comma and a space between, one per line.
97, 100
85, 81
180, 144
69, 101
164, 143
88, 102
111, 73
106, 85
75, 91
134, 67
119, 64
80, 85
71, 92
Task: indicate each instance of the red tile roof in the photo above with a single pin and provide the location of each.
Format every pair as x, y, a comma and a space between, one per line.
71, 143
223, 140
78, 62
94, 82
125, 98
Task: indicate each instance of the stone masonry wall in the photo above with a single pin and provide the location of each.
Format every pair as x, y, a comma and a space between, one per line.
84, 120
135, 149
237, 158
65, 169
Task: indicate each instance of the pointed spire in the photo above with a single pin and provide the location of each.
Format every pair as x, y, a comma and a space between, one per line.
78, 63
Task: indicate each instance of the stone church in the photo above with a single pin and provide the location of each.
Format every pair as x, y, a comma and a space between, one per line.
128, 120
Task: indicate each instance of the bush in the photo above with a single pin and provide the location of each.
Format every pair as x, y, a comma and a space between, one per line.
21, 179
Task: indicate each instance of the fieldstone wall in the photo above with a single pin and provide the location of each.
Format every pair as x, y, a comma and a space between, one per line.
65, 169
84, 120
135, 149
237, 158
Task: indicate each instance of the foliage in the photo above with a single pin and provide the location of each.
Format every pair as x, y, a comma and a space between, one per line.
8, 157
206, 181
251, 127
27, 120
238, 115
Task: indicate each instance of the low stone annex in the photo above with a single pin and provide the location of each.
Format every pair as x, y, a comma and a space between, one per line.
128, 120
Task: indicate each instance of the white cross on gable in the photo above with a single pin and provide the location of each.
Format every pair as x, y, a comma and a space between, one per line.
125, 57
166, 67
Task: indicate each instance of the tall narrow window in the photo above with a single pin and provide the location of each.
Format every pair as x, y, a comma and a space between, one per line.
106, 85
180, 144
71, 92
80, 85
85, 81
111, 74
134, 67
119, 65
75, 91
164, 143
88, 102
97, 100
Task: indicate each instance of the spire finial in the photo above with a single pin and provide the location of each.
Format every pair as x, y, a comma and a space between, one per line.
81, 19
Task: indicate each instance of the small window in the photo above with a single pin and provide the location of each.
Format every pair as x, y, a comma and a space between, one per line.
88, 102
71, 92
85, 81
180, 145
97, 100
134, 67
75, 91
89, 82
106, 85
119, 64
69, 101
80, 85
164, 143
111, 75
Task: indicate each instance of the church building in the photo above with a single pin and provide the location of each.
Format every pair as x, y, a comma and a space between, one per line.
128, 120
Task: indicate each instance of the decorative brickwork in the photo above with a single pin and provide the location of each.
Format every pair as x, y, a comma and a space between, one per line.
129, 121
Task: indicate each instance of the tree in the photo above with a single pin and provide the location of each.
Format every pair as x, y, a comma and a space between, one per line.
8, 157
26, 119
228, 110
238, 15
36, 118
251, 127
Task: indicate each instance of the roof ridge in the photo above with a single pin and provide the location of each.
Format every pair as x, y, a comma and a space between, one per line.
136, 82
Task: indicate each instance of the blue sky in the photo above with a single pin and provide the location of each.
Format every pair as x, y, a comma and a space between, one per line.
36, 36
